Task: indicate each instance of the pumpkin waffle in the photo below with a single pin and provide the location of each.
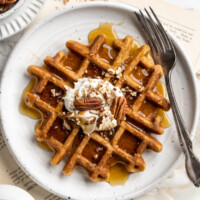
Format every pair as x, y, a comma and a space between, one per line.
137, 77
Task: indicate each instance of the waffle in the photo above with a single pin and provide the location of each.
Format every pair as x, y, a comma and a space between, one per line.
137, 77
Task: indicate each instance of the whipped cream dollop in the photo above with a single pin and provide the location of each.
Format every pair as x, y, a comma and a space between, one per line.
92, 120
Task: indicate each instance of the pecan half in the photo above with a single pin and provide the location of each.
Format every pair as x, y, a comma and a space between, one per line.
118, 108
89, 103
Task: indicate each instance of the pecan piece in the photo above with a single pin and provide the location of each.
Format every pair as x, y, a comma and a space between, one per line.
66, 125
89, 103
118, 108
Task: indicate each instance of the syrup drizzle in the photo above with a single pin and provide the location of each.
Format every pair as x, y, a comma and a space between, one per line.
23, 108
106, 29
118, 175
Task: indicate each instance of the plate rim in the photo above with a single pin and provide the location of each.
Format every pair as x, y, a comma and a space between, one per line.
11, 10
25, 9
115, 5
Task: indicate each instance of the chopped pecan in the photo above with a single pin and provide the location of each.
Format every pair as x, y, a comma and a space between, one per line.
89, 103
118, 108
99, 121
89, 121
92, 120
66, 125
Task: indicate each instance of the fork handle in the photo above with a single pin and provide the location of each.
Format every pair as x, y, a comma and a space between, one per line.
192, 163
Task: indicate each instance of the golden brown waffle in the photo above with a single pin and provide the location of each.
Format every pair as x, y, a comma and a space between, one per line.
125, 144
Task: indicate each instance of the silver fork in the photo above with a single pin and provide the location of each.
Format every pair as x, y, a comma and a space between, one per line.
165, 55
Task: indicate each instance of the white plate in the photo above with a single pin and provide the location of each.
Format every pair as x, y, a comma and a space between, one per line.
47, 38
20, 18
10, 192
12, 9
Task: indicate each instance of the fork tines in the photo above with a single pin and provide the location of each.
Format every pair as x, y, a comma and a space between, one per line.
154, 31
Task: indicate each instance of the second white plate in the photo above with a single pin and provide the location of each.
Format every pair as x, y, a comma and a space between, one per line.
20, 18
47, 38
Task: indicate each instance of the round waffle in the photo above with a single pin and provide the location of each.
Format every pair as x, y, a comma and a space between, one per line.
135, 74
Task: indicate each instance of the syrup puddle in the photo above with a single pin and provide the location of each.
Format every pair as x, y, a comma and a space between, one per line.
23, 108
118, 175
106, 29
44, 146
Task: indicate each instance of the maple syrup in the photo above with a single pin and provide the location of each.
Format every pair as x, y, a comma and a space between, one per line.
161, 89
118, 175
44, 146
135, 46
106, 29
23, 108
